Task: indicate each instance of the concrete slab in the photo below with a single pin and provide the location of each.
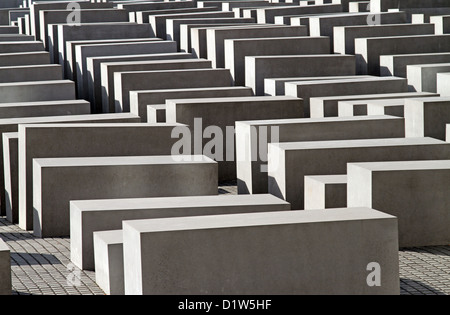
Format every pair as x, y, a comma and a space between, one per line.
236, 51
325, 192
11, 166
257, 248
125, 82
5, 269
108, 214
140, 99
413, 191
286, 174
252, 138
259, 68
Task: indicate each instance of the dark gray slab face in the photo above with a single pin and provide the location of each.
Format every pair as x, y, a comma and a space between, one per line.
86, 16
92, 31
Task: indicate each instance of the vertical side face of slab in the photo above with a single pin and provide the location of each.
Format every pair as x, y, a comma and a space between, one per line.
5, 269
10, 162
266, 259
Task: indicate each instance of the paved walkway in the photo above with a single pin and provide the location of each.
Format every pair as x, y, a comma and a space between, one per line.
42, 266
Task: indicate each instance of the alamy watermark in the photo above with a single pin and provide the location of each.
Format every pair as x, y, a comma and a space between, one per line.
74, 17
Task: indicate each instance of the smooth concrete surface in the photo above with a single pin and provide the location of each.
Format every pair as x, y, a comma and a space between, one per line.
223, 113
185, 29
24, 58
89, 216
423, 78
84, 51
11, 176
369, 50
139, 100
5, 269
286, 173
344, 36
109, 262
216, 37
360, 107
236, 50
320, 88
108, 138
262, 253
396, 65
94, 75
325, 192
16, 47
57, 181
267, 15
276, 86
427, 117
443, 84
416, 192
36, 91
90, 31
252, 138
392, 107
108, 71
259, 68
30, 73
319, 105
125, 82
46, 109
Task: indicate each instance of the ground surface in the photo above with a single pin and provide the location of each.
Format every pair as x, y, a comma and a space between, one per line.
42, 266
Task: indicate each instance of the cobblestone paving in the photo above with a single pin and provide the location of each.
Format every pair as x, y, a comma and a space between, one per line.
42, 266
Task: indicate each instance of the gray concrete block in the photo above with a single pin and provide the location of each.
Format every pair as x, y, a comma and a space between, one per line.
443, 84
47, 17
5, 269
216, 38
140, 99
396, 64
275, 86
323, 25
84, 51
30, 73
125, 82
369, 50
286, 173
174, 25
423, 78
35, 91
156, 113
44, 109
89, 216
251, 147
23, 59
11, 166
158, 22
109, 273
15, 38
109, 69
144, 16
108, 138
260, 256
344, 36
90, 31
267, 15
325, 192
392, 107
16, 47
441, 24
236, 51
416, 192
384, 5
320, 88
185, 29
223, 113
427, 117
94, 76
259, 68
319, 105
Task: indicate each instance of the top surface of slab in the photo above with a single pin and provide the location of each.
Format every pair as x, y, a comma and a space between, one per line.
329, 179
315, 120
406, 165
255, 219
110, 237
234, 99
177, 202
356, 143
74, 118
120, 161
3, 246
